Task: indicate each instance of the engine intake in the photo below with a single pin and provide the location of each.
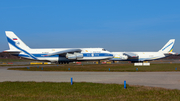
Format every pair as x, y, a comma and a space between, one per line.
124, 57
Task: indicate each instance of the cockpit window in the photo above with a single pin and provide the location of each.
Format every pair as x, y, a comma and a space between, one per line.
103, 49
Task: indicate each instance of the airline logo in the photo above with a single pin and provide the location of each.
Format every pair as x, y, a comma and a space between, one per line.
171, 50
18, 43
14, 38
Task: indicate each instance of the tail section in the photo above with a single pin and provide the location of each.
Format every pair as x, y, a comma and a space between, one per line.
15, 43
17, 46
168, 48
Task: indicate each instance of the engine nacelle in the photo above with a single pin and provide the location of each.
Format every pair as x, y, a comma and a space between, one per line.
74, 56
124, 57
78, 55
71, 57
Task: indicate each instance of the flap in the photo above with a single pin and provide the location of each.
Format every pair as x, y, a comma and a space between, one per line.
63, 52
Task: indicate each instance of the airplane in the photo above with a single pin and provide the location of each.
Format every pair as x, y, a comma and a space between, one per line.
145, 56
58, 55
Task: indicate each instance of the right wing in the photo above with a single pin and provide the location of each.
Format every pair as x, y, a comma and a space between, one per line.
129, 54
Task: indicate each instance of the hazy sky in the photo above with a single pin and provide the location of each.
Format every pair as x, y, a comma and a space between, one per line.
117, 25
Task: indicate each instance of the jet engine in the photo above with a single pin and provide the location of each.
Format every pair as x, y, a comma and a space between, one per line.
74, 56
78, 55
124, 57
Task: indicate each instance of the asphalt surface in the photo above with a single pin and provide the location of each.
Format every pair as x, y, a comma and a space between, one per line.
170, 80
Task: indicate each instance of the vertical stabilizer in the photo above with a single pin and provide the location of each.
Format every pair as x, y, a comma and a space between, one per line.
15, 43
168, 48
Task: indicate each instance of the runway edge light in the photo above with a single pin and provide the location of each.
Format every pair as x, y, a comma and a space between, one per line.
125, 84
71, 81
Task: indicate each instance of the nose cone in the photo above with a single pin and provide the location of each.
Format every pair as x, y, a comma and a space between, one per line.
111, 55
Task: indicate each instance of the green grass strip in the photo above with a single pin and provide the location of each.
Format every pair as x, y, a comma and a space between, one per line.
45, 91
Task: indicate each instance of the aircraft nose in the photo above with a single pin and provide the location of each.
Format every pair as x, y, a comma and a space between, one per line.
112, 55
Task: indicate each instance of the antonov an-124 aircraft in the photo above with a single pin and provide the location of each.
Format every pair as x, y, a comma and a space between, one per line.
60, 55
145, 56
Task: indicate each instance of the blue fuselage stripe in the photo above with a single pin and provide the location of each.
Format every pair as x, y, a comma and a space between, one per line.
14, 44
84, 55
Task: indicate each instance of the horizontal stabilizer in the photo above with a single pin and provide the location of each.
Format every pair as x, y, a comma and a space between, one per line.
11, 51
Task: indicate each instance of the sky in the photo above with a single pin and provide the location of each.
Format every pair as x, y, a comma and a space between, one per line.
116, 25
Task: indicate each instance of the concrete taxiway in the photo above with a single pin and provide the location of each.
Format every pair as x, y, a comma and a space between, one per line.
170, 80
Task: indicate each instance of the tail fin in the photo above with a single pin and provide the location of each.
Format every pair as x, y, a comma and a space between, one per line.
14, 42
168, 48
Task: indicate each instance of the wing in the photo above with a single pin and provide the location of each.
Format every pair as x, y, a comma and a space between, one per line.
64, 51
129, 54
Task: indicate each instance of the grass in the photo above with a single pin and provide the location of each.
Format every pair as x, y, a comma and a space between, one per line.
105, 67
43, 91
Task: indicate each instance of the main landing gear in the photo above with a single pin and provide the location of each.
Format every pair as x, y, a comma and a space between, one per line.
63, 62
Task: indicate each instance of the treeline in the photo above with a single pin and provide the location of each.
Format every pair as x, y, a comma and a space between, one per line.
8, 56
173, 57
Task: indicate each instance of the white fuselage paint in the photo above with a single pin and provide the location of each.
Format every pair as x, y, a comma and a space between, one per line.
142, 56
